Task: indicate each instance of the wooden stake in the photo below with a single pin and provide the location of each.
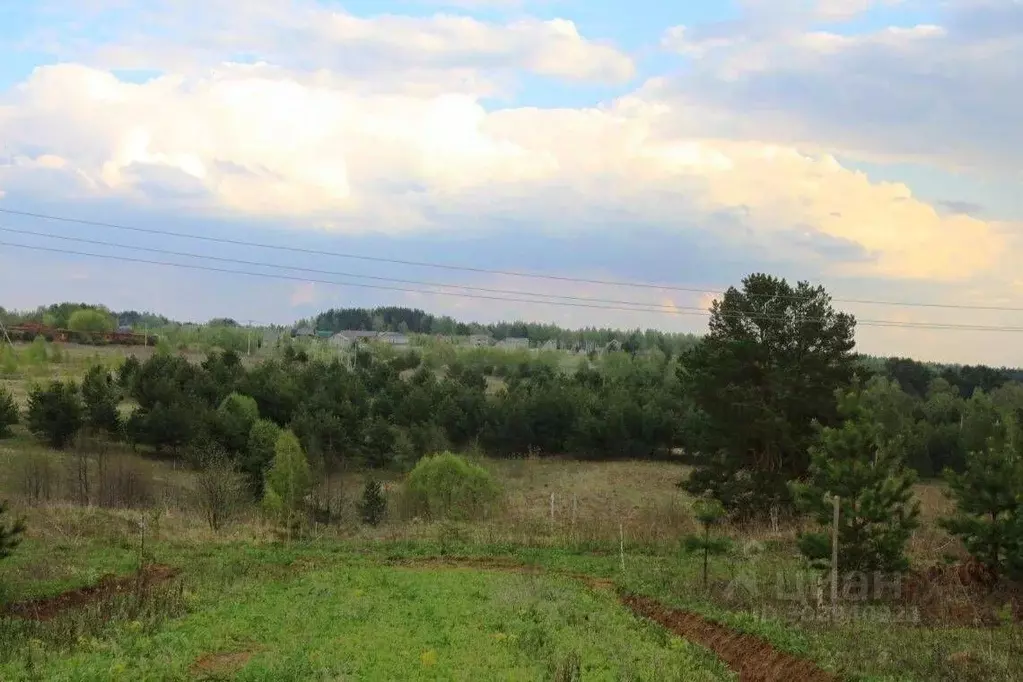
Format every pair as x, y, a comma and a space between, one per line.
835, 500
621, 544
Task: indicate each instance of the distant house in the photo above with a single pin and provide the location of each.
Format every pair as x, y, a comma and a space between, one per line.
394, 338
514, 342
349, 337
303, 332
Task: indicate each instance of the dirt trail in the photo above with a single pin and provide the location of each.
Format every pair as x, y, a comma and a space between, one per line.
753, 658
46, 608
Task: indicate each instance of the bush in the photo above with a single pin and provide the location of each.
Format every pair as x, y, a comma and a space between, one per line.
55, 413
373, 506
91, 320
124, 481
36, 472
257, 459
8, 412
446, 486
219, 488
8, 361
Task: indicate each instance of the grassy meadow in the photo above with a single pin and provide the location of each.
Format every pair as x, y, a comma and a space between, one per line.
539, 590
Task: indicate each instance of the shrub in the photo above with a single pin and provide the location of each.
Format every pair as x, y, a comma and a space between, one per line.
36, 353
446, 486
37, 472
373, 505
219, 488
10, 532
8, 412
91, 320
257, 459
124, 481
55, 413
8, 361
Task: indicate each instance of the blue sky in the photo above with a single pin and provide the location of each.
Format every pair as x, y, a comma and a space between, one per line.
869, 145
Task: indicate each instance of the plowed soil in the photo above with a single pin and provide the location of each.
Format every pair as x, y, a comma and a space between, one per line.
47, 608
753, 658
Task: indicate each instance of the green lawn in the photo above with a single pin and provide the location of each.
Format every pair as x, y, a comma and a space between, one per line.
363, 621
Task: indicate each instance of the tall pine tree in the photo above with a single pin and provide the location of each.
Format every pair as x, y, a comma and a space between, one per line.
765, 372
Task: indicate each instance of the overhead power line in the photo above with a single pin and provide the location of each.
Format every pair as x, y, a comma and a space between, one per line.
466, 268
511, 292
677, 311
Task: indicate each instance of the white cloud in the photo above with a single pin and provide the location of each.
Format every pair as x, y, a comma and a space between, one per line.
192, 36
945, 92
259, 143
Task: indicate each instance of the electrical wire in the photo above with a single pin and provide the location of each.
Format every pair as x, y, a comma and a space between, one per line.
678, 311
466, 268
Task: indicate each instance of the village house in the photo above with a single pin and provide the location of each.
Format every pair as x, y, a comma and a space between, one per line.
516, 342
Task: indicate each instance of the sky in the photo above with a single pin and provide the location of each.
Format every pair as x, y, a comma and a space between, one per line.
870, 146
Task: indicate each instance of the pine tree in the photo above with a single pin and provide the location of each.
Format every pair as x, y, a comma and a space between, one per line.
758, 395
989, 508
55, 413
862, 462
10, 535
8, 412
708, 512
100, 396
373, 505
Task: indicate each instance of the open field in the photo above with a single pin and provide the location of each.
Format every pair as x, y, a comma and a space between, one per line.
514, 597
578, 573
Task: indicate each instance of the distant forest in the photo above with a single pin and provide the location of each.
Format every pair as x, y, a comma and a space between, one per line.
913, 376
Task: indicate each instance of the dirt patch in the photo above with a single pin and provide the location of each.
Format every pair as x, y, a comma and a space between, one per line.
221, 664
47, 608
753, 658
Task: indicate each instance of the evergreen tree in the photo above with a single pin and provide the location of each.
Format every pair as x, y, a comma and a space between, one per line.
10, 532
989, 507
8, 412
765, 372
55, 412
100, 397
373, 505
863, 462
708, 512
